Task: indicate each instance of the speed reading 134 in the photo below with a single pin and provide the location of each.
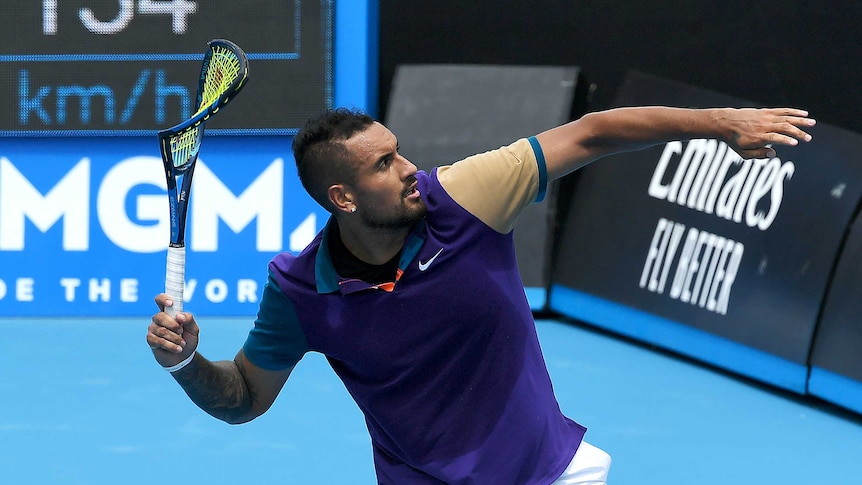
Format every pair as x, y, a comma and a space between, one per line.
178, 10
127, 67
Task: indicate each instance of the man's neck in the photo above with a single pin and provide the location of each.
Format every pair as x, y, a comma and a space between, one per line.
371, 245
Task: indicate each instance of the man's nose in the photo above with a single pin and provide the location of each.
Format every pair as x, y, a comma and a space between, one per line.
408, 169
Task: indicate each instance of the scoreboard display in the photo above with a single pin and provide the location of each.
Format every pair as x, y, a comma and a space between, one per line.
127, 67
85, 85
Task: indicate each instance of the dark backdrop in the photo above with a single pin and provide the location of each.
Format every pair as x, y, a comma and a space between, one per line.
795, 52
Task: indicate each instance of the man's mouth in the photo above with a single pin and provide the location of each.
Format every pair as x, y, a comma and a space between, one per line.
412, 192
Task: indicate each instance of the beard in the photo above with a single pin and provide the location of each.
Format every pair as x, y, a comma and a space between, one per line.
403, 218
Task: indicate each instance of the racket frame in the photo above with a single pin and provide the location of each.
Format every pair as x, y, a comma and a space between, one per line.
179, 175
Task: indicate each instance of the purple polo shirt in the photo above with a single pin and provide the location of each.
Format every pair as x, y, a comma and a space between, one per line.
446, 367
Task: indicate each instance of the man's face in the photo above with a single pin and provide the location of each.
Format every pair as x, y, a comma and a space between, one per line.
384, 191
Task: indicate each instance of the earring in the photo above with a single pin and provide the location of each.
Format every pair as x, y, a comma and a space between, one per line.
353, 209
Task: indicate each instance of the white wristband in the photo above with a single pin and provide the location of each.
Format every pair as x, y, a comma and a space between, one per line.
182, 364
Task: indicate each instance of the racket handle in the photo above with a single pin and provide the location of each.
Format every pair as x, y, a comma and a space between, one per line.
175, 274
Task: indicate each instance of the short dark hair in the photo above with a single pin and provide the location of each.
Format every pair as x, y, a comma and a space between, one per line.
318, 148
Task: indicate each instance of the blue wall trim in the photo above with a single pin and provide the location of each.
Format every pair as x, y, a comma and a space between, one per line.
835, 388
680, 338
538, 298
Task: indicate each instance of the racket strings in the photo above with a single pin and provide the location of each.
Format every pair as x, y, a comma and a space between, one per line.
185, 145
224, 68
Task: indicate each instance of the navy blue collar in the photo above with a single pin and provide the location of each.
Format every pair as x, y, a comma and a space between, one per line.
329, 281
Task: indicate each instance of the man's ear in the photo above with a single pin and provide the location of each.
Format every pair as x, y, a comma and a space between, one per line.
341, 199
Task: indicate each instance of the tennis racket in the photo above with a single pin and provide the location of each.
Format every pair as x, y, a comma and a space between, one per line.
223, 74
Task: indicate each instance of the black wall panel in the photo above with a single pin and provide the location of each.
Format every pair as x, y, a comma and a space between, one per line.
798, 52
689, 233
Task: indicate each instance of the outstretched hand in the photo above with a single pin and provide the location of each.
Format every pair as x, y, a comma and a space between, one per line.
172, 339
754, 131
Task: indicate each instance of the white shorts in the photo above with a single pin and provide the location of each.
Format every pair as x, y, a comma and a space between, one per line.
589, 466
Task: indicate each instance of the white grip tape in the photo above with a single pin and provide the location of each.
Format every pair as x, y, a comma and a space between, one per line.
175, 275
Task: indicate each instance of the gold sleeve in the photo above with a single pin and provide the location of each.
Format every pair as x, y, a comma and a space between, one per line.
495, 186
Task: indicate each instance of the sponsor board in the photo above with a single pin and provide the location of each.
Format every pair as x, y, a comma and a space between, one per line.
84, 224
721, 258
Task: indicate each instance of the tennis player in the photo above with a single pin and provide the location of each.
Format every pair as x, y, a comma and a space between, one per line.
413, 294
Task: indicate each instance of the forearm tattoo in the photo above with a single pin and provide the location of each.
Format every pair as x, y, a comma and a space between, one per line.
216, 387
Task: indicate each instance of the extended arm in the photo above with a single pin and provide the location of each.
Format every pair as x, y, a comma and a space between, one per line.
751, 132
235, 391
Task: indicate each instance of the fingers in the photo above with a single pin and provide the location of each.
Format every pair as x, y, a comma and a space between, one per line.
768, 127
171, 333
166, 333
798, 113
163, 300
792, 129
787, 139
756, 153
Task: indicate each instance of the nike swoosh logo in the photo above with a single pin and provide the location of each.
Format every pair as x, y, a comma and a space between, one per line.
426, 264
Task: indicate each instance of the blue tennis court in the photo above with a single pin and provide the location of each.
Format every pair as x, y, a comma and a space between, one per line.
84, 403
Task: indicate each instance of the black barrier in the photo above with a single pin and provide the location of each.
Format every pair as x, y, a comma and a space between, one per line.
836, 359
689, 247
442, 113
